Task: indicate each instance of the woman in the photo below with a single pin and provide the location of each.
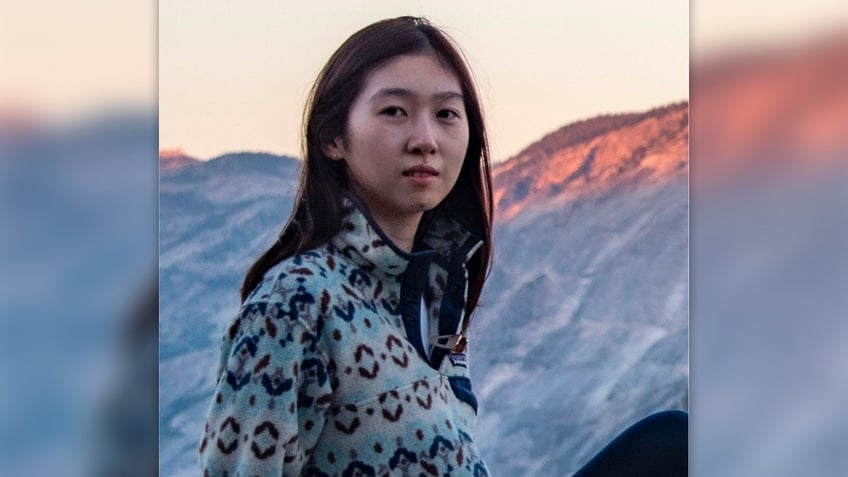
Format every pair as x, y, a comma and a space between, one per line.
347, 357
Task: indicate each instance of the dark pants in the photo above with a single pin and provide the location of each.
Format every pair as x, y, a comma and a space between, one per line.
656, 446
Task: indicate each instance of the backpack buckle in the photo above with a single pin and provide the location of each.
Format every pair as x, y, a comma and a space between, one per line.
455, 343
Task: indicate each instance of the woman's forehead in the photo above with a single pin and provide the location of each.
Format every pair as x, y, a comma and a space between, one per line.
413, 74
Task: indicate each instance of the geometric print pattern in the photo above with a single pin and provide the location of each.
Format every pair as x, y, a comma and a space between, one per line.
321, 373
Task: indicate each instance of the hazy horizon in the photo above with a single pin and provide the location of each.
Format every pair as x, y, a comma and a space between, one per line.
179, 150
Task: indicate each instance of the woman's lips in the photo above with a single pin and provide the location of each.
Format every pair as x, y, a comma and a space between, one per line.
420, 171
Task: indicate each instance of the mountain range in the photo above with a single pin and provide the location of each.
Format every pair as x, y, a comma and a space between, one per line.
583, 325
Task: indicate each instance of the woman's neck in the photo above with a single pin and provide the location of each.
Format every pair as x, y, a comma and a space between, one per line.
400, 229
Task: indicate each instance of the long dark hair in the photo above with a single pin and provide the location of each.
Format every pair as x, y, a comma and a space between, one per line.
318, 210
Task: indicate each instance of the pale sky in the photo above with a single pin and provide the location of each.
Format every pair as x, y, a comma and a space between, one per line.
722, 26
67, 60
234, 76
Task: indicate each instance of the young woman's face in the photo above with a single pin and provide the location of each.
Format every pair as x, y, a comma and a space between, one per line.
406, 137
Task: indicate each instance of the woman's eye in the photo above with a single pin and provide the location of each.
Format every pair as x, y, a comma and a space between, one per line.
392, 111
448, 114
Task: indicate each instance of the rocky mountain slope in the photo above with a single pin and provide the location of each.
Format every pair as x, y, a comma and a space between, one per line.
583, 327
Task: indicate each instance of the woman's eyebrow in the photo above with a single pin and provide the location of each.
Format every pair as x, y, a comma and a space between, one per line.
406, 93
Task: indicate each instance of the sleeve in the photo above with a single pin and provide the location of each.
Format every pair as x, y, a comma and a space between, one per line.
272, 391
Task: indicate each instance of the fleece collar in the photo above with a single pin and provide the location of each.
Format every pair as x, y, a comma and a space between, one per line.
440, 239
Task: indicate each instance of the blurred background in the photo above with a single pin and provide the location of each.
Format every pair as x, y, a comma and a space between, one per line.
78, 238
768, 261
769, 238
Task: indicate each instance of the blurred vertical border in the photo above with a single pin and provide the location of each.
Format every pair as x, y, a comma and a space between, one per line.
769, 244
78, 239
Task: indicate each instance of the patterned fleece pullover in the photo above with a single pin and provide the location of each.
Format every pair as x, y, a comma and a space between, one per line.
324, 371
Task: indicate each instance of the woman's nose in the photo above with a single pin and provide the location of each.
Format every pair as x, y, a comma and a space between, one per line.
422, 138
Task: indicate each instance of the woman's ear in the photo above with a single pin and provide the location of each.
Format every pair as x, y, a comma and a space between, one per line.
335, 150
